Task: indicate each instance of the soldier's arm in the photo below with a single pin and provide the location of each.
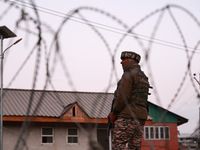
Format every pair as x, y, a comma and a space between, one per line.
123, 92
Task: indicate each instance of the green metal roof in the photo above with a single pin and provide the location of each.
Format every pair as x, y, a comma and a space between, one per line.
161, 115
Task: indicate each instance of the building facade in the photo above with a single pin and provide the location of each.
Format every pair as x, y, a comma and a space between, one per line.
58, 120
188, 141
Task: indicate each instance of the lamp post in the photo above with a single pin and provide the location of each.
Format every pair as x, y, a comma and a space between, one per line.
4, 33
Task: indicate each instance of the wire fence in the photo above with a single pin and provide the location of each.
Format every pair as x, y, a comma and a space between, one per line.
56, 52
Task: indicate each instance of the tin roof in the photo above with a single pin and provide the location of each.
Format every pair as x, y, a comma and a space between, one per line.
47, 103
20, 102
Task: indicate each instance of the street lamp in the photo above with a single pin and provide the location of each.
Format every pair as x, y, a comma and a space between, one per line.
4, 33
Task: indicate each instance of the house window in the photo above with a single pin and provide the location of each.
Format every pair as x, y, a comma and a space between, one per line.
74, 111
72, 136
156, 132
161, 132
152, 132
146, 133
47, 135
166, 132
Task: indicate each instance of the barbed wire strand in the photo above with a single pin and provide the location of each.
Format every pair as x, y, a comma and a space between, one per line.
112, 55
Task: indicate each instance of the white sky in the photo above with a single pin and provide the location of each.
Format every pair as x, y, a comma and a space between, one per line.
87, 58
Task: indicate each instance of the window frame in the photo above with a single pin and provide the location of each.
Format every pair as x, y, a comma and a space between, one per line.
67, 136
43, 135
167, 135
156, 133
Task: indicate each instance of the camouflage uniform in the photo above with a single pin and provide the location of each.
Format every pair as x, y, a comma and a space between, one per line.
127, 131
130, 105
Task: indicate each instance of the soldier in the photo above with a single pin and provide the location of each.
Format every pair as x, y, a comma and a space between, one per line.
130, 104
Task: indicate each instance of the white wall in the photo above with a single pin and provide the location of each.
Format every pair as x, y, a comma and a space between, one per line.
32, 138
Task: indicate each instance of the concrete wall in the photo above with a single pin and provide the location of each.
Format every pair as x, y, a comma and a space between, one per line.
32, 137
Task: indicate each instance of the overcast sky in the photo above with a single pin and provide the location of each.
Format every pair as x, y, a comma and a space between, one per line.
167, 36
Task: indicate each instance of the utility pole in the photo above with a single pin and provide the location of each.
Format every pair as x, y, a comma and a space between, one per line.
199, 111
197, 80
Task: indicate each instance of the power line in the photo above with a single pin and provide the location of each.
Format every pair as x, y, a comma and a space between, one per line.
104, 27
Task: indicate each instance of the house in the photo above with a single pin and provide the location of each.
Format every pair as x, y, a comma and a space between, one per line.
160, 131
189, 141
58, 120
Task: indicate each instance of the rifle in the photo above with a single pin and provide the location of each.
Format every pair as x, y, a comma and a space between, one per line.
109, 122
